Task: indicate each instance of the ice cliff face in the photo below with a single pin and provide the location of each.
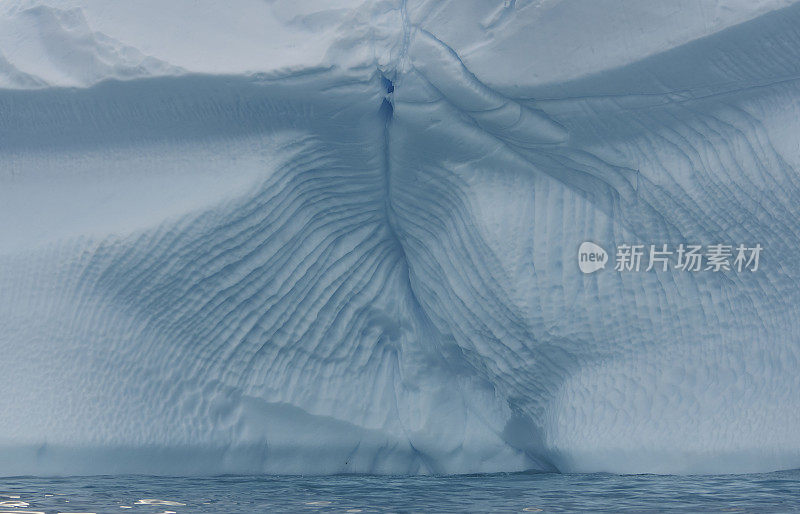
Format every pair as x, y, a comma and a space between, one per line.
341, 237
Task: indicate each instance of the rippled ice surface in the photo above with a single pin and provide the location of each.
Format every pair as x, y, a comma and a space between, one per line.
771, 492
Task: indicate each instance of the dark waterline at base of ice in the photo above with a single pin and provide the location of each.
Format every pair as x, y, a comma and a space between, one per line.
519, 492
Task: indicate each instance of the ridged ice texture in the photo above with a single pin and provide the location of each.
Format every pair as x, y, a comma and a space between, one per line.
369, 265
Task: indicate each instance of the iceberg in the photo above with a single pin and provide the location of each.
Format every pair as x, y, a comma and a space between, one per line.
341, 236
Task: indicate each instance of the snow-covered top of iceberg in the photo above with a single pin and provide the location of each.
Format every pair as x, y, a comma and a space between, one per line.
507, 43
536, 42
79, 43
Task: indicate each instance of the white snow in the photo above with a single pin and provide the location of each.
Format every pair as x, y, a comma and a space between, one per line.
226, 247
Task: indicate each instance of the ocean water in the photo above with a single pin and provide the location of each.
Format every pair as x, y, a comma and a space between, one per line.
518, 492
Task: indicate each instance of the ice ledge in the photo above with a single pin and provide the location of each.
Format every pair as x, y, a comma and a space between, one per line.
69, 43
